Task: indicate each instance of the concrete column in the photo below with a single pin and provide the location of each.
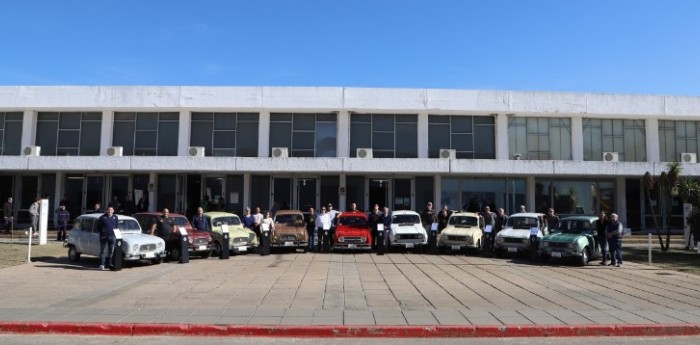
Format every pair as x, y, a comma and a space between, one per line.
183, 138
652, 135
437, 192
106, 131
58, 195
577, 138
28, 129
502, 136
152, 199
264, 134
621, 200
530, 194
343, 134
423, 135
246, 190
342, 198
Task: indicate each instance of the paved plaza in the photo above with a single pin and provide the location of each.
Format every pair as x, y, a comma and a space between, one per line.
349, 289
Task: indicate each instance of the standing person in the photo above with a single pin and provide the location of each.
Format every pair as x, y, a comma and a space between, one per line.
373, 219
489, 217
268, 223
106, 225
443, 217
353, 207
142, 205
63, 217
248, 221
164, 228
129, 207
551, 219
522, 209
323, 221
199, 222
428, 216
257, 220
614, 233
601, 228
8, 215
34, 213
311, 228
97, 208
333, 215
384, 219
501, 219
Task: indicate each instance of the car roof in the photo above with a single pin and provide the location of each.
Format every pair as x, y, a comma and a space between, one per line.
214, 214
527, 215
396, 213
289, 212
171, 214
98, 215
460, 213
588, 218
348, 214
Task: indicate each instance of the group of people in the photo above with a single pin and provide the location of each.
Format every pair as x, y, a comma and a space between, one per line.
609, 232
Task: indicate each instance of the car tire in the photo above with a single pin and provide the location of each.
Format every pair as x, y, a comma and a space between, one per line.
216, 249
73, 254
585, 256
174, 254
478, 248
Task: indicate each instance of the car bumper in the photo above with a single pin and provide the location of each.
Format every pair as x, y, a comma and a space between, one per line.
289, 244
408, 243
568, 253
357, 246
143, 256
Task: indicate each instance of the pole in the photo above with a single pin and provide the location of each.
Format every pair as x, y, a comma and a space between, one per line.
29, 251
650, 249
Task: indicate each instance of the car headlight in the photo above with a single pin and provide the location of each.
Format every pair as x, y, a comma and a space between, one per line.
420, 236
570, 246
135, 248
499, 239
341, 239
526, 241
209, 239
160, 244
545, 244
397, 237
363, 239
251, 237
189, 239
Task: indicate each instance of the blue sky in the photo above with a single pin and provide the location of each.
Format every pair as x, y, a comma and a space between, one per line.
620, 46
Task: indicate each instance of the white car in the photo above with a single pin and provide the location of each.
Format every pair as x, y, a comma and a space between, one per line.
84, 238
407, 230
464, 231
515, 236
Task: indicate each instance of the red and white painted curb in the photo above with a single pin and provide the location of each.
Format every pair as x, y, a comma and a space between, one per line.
342, 331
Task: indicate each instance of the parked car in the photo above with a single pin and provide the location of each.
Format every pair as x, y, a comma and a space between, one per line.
241, 240
84, 238
464, 230
200, 242
352, 231
289, 230
515, 236
407, 230
574, 237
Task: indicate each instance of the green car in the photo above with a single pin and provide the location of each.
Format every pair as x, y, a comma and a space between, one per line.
241, 240
574, 238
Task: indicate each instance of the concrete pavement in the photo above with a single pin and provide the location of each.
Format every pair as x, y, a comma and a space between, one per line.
346, 290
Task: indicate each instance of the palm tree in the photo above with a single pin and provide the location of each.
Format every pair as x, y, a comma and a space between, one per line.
669, 188
649, 184
688, 191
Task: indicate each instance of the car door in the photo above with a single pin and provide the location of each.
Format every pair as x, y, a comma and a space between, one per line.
92, 237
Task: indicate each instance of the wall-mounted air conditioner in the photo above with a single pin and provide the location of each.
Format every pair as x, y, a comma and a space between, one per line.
689, 157
116, 151
611, 157
280, 152
448, 153
31, 151
364, 153
195, 151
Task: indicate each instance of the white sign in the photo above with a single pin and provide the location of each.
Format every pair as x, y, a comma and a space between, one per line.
487, 229
326, 226
434, 227
183, 231
118, 234
265, 227
534, 231
380, 227
224, 228
43, 220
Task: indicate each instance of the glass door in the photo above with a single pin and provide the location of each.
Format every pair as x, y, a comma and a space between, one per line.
119, 187
306, 193
378, 192
214, 187
281, 193
402, 194
74, 187
94, 192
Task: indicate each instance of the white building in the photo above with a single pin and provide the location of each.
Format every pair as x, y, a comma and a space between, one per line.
302, 146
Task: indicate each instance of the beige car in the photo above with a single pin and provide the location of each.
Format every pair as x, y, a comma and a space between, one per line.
289, 230
464, 230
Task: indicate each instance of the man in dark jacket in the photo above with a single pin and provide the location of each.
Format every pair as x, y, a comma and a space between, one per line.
63, 217
106, 225
614, 233
601, 227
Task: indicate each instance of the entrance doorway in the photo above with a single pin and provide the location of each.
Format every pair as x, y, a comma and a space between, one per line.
378, 192
306, 193
281, 193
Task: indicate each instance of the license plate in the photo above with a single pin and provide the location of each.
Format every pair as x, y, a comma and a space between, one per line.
351, 246
456, 247
288, 244
512, 250
242, 249
409, 245
150, 255
556, 254
202, 248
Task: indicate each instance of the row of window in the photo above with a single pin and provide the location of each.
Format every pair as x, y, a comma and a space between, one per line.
315, 135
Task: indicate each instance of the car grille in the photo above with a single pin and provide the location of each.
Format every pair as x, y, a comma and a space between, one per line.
456, 238
512, 240
200, 241
288, 237
558, 244
353, 239
410, 237
148, 247
239, 239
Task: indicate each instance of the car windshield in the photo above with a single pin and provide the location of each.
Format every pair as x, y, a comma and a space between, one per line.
521, 222
574, 226
353, 221
180, 221
405, 219
459, 221
230, 220
129, 225
289, 219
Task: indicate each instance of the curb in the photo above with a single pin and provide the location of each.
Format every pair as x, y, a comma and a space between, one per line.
343, 331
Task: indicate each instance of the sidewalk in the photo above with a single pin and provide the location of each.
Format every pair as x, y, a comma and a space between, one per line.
350, 294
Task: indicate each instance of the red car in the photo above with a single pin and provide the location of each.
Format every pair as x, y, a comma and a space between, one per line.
352, 231
200, 242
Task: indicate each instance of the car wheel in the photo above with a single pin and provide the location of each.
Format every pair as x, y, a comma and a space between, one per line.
216, 251
478, 248
585, 256
175, 254
73, 254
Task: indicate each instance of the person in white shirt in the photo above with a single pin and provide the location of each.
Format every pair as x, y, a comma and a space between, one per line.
257, 220
323, 221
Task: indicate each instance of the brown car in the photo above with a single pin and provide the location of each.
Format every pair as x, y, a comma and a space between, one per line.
289, 230
200, 242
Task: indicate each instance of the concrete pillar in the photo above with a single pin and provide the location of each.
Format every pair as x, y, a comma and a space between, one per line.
530, 194
106, 131
343, 134
652, 139
28, 129
423, 146
184, 132
153, 200
501, 134
577, 138
621, 200
246, 191
264, 134
437, 192
342, 197
58, 195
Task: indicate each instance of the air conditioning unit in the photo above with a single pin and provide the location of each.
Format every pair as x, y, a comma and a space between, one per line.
195, 151
611, 157
364, 153
32, 151
448, 153
116, 151
280, 152
688, 157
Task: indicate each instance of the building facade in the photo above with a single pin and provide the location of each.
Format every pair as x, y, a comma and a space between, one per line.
297, 147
